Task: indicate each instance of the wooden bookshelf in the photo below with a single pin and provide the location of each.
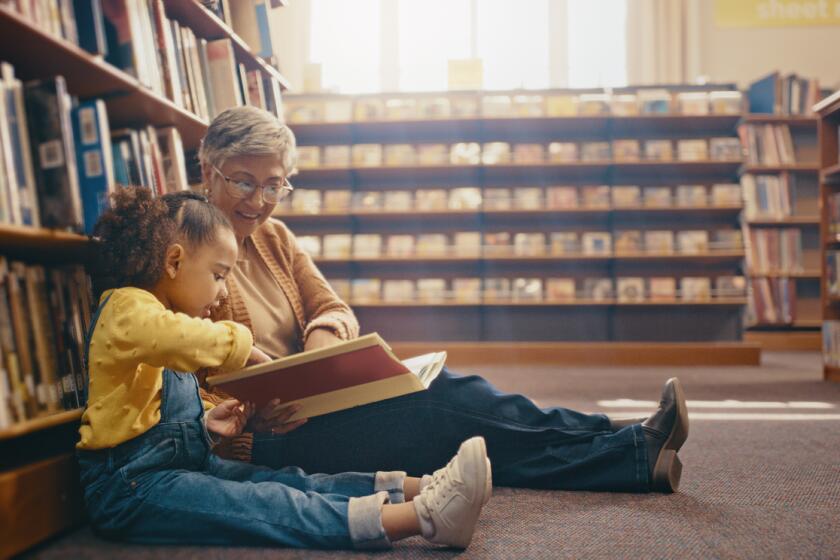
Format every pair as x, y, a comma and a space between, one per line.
571, 303
792, 167
828, 111
41, 423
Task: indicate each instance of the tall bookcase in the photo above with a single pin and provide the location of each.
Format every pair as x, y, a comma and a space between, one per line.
39, 490
610, 319
802, 330
828, 111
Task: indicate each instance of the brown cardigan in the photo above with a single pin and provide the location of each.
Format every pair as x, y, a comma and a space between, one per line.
315, 305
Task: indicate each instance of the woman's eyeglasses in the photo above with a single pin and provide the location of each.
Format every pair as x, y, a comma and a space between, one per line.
272, 191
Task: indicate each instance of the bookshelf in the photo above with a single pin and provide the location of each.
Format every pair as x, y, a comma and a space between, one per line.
791, 292
39, 490
828, 111
507, 317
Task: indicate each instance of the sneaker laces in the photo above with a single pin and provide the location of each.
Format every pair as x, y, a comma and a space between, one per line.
440, 479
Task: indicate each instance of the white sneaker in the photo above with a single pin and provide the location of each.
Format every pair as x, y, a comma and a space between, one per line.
449, 506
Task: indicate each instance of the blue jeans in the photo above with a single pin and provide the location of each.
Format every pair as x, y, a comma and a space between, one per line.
165, 486
530, 447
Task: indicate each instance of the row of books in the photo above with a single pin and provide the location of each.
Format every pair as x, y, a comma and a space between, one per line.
771, 250
831, 343
316, 201
502, 153
524, 244
784, 95
833, 209
59, 159
44, 315
771, 301
832, 273
137, 37
767, 144
769, 196
497, 105
498, 290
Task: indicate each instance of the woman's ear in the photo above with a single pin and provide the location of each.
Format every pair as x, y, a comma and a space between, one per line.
206, 176
173, 260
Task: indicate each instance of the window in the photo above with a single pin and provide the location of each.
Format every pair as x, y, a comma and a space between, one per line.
597, 43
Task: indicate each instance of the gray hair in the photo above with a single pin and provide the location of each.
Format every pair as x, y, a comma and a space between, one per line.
247, 131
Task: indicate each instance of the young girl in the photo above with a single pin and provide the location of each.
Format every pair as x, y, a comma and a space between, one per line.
146, 436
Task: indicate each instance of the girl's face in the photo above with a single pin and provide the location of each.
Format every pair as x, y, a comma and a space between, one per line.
195, 276
246, 214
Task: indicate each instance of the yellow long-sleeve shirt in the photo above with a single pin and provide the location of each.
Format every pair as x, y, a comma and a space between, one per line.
135, 338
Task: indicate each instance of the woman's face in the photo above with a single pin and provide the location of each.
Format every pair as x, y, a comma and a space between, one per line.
246, 214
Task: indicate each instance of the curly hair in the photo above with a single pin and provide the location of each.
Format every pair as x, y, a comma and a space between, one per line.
138, 228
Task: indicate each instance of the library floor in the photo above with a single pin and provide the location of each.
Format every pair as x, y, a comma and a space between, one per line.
761, 478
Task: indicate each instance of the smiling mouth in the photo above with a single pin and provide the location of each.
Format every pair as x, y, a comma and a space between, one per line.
248, 216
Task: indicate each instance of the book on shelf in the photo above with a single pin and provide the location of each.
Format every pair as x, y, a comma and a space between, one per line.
831, 343
528, 105
497, 243
337, 201
431, 245
565, 243
369, 109
628, 241
598, 289
223, 79
560, 289
693, 242
730, 287
432, 154
341, 287
659, 242
431, 200
348, 374
726, 102
595, 196
630, 289
529, 244
727, 240
306, 201
767, 144
774, 250
662, 288
466, 243
308, 157
768, 196
465, 153
497, 198
528, 198
624, 104
398, 291
496, 289
559, 105
173, 159
495, 153
398, 201
832, 273
696, 149
692, 196
593, 104
626, 150
365, 290
659, 150
595, 151
561, 198
528, 153
337, 245
726, 194
400, 108
311, 244
367, 245
654, 101
562, 152
771, 301
658, 197
693, 103
431, 290
596, 243
695, 288
465, 198
527, 289
466, 290
399, 245
367, 201
496, 106
366, 155
94, 159
783, 95
463, 106
335, 156
725, 148
624, 196
397, 155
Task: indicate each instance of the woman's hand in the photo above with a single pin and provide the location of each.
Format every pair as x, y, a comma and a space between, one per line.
272, 419
257, 357
228, 418
320, 338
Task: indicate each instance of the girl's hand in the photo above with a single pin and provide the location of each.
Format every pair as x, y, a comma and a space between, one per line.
228, 418
257, 357
275, 420
319, 338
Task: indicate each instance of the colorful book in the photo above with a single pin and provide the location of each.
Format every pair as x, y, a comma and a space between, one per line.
93, 159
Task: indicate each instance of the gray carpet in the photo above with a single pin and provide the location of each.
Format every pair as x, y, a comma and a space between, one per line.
760, 488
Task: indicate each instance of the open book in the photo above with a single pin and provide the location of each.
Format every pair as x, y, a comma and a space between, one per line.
348, 374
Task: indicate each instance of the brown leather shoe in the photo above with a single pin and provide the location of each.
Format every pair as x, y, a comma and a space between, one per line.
665, 433
619, 423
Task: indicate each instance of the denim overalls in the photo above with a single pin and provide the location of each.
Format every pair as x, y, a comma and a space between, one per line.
165, 486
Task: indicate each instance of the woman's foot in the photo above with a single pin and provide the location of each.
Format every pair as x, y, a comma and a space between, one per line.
449, 506
665, 433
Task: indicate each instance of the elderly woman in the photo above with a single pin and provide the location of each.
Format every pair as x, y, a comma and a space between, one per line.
277, 291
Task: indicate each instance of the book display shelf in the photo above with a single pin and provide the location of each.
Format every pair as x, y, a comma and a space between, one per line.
828, 111
540, 216
39, 491
780, 180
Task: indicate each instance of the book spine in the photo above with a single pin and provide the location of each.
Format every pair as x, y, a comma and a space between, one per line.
94, 159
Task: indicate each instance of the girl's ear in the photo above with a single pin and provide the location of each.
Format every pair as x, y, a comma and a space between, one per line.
174, 258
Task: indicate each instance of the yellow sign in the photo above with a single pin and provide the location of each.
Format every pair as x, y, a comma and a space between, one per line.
466, 73
776, 13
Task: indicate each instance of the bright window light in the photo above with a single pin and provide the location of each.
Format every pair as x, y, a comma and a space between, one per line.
597, 43
345, 40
